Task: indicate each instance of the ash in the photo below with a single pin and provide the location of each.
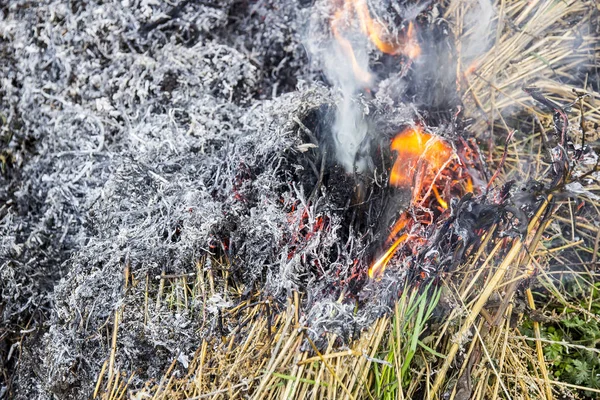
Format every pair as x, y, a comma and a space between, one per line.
142, 137
132, 132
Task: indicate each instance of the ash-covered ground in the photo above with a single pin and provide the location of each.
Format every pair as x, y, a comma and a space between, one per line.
142, 139
132, 133
143, 136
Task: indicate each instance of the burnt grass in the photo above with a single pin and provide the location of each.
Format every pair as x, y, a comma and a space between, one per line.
115, 120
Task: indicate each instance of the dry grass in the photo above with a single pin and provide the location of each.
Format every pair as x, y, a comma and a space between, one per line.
475, 348
540, 42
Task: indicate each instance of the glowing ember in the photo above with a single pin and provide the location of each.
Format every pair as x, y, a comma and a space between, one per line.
425, 163
472, 68
377, 33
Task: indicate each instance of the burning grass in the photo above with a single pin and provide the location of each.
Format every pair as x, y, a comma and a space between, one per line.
431, 169
482, 333
489, 328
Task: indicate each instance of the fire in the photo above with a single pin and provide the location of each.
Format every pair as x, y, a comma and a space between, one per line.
434, 170
418, 152
378, 267
377, 33
422, 161
439, 198
411, 47
361, 75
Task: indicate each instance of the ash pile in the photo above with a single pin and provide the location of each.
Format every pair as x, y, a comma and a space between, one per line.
143, 141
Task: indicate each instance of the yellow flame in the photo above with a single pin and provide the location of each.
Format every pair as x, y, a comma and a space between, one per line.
441, 201
379, 266
377, 33
416, 150
469, 185
361, 75
414, 146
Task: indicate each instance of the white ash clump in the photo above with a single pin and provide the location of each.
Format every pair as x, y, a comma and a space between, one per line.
348, 319
156, 213
123, 127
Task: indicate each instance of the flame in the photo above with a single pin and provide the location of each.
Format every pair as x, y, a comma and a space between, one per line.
398, 226
420, 155
416, 148
439, 198
374, 30
378, 267
411, 47
361, 75
377, 33
469, 188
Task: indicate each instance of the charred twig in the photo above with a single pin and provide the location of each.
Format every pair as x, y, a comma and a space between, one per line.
560, 186
580, 98
464, 385
561, 120
307, 131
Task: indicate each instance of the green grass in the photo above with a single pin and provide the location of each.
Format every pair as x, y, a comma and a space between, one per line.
570, 328
411, 316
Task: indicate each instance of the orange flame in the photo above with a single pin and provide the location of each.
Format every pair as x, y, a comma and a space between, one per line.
377, 33
398, 226
379, 266
421, 154
374, 30
469, 188
411, 47
361, 75
439, 198
416, 148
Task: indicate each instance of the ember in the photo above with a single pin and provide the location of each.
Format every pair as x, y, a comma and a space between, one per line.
427, 165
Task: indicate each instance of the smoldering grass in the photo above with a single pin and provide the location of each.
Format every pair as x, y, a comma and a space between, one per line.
258, 350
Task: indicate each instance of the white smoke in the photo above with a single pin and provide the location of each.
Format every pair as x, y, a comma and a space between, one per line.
350, 128
345, 63
341, 50
480, 30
